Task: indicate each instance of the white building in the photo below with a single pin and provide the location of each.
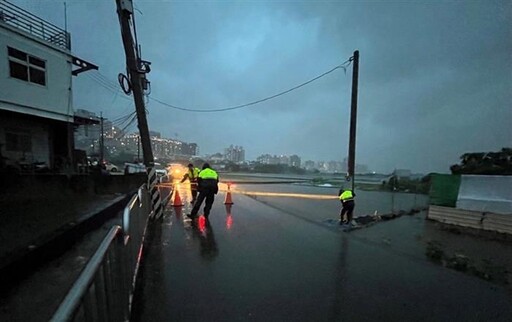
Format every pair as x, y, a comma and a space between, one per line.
36, 112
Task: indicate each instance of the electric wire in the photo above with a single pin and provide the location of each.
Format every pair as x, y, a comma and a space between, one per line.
112, 86
107, 80
123, 131
97, 79
121, 121
344, 65
123, 117
107, 85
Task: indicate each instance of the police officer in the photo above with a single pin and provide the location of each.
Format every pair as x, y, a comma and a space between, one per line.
207, 183
192, 176
347, 201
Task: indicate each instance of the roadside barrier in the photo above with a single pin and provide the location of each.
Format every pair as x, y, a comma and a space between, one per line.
158, 208
104, 289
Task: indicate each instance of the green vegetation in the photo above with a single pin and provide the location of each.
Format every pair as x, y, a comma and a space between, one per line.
490, 163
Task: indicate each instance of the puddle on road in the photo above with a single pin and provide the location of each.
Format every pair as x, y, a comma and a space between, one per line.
483, 268
479, 254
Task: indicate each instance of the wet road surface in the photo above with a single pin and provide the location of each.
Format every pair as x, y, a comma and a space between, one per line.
278, 259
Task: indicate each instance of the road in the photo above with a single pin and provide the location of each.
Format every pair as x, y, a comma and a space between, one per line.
280, 258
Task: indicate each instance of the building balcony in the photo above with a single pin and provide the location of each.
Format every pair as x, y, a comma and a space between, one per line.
23, 20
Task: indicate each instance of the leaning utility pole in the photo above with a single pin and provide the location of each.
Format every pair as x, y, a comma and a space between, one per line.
353, 119
133, 64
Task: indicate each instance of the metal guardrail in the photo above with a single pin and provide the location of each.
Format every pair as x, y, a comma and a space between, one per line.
14, 16
104, 289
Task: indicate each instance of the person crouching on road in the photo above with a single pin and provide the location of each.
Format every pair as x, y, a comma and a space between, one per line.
348, 204
192, 176
207, 184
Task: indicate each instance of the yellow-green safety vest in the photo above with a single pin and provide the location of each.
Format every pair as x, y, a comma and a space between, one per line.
193, 174
208, 174
346, 195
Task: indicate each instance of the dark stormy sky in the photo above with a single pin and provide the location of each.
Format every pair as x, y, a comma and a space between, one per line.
435, 76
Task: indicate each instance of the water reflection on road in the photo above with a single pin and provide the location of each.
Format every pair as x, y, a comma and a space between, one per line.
269, 258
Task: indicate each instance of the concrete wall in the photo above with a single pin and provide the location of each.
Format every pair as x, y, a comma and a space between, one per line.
48, 186
471, 219
486, 194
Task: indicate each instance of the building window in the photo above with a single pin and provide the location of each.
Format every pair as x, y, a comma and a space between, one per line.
18, 141
26, 67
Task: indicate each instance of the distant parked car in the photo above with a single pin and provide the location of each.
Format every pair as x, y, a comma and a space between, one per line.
130, 168
160, 170
111, 167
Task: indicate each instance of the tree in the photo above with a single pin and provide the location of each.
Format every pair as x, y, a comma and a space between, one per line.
490, 163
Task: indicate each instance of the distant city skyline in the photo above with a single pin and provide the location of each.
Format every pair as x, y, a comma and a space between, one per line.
238, 151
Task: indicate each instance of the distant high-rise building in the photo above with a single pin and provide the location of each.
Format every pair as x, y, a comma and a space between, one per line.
267, 159
335, 166
283, 159
309, 165
235, 153
359, 168
294, 161
190, 149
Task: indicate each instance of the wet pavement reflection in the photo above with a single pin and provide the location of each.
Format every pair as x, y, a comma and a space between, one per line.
276, 260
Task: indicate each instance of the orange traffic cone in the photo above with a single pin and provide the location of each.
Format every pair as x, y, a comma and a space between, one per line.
228, 200
177, 200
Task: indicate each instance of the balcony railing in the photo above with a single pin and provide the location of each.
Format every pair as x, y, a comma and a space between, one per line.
16, 17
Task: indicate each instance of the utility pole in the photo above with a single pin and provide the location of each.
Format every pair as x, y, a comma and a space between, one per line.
133, 63
353, 119
102, 142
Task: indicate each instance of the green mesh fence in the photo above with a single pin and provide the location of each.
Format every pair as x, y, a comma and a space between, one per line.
444, 190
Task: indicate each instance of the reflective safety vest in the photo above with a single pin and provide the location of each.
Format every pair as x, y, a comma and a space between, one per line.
347, 195
208, 174
193, 174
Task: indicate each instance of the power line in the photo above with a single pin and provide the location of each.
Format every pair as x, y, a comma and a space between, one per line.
124, 129
103, 84
106, 79
106, 84
344, 65
119, 122
112, 86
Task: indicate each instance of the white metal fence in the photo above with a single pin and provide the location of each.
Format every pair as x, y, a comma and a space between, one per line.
104, 289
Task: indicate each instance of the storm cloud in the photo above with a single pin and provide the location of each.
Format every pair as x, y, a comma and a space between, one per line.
435, 77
